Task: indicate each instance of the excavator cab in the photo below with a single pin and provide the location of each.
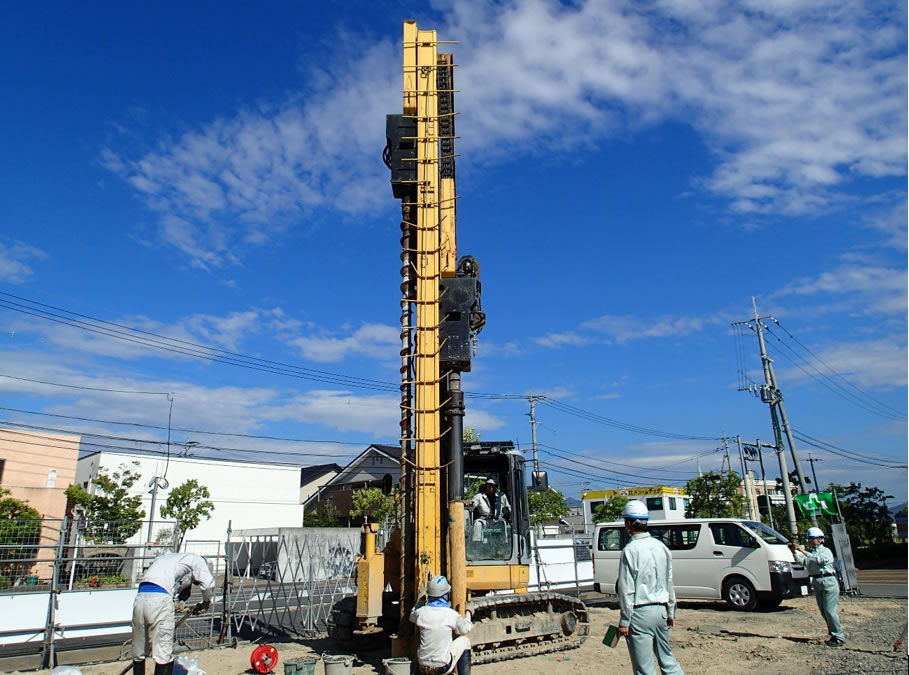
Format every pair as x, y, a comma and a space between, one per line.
501, 536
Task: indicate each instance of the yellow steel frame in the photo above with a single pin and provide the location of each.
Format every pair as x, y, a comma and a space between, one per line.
421, 99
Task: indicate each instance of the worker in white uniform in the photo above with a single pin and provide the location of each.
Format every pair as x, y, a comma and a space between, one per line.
438, 653
489, 504
646, 595
171, 576
819, 564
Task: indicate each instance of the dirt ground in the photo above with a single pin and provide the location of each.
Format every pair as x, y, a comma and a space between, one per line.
707, 639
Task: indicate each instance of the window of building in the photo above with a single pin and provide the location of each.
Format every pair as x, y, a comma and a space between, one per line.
593, 507
2, 462
685, 503
52, 478
672, 503
654, 503
676, 537
611, 539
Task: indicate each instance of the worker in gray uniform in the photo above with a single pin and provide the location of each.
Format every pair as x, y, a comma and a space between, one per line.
169, 579
438, 653
646, 596
819, 563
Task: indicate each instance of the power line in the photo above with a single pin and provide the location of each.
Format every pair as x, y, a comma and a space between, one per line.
833, 386
838, 375
847, 454
607, 461
600, 468
75, 386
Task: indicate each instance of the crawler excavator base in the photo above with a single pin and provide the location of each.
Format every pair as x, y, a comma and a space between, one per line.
526, 624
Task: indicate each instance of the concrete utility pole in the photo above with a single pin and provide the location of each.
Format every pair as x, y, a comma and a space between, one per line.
533, 433
770, 394
812, 460
751, 515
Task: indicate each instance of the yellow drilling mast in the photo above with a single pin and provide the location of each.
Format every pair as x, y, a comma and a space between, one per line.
440, 318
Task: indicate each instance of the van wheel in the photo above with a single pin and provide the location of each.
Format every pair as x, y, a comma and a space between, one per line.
739, 594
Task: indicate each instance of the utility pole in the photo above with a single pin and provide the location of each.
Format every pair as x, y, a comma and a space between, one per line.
770, 394
726, 451
812, 460
533, 433
751, 515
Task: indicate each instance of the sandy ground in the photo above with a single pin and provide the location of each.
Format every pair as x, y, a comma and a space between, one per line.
707, 639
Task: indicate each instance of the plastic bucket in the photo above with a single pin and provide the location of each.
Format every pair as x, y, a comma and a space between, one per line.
302, 665
399, 665
338, 664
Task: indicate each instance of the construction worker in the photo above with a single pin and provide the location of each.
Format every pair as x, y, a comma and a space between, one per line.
169, 580
489, 504
438, 653
646, 596
823, 579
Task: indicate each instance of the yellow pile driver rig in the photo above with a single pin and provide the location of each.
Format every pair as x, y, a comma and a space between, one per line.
435, 534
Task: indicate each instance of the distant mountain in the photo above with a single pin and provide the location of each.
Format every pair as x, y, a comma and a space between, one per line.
574, 501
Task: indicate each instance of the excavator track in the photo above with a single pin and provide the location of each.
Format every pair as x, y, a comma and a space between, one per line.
526, 624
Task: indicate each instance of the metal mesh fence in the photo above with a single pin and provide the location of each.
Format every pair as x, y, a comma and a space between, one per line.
286, 583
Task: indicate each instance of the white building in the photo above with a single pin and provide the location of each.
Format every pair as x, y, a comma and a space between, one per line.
663, 503
245, 494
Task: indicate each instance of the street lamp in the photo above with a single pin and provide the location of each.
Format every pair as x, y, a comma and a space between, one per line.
187, 446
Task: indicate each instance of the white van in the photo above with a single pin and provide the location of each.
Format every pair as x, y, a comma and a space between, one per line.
744, 562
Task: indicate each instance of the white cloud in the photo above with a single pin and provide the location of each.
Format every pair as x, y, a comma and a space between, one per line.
371, 340
868, 364
794, 100
561, 339
867, 285
13, 256
624, 328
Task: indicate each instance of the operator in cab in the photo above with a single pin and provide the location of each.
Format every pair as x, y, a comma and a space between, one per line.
646, 595
438, 653
489, 504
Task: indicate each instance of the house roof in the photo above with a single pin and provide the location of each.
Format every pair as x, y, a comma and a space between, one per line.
309, 473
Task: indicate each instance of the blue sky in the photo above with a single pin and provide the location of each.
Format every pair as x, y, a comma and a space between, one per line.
630, 175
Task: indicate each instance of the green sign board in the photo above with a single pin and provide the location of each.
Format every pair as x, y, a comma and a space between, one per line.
816, 504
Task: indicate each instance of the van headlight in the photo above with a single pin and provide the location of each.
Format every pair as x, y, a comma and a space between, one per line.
780, 567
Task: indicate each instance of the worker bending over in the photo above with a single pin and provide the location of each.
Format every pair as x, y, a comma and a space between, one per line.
819, 564
646, 595
438, 653
170, 578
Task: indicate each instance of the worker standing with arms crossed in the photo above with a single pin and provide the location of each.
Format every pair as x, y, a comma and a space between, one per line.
170, 578
646, 596
823, 579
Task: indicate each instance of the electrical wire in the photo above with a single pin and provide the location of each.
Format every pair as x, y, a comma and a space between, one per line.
883, 405
606, 461
832, 386
74, 386
816, 442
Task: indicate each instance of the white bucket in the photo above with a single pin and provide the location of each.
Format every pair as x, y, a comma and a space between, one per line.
399, 665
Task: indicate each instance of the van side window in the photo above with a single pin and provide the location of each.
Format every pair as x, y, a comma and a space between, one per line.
654, 503
676, 537
730, 534
611, 539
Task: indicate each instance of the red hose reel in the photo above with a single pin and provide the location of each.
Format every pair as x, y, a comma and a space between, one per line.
263, 659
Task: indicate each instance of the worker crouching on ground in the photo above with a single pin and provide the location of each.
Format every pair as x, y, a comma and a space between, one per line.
819, 564
646, 596
170, 578
438, 653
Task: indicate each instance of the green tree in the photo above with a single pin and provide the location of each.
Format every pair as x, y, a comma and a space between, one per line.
372, 503
113, 516
866, 516
187, 504
545, 506
610, 510
715, 495
325, 515
20, 534
470, 436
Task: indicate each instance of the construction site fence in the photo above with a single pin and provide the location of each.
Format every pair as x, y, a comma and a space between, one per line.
67, 581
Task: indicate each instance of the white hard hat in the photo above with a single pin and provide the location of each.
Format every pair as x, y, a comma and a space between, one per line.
814, 533
491, 481
635, 510
438, 586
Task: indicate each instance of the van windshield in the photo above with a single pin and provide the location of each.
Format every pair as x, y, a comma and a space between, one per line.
765, 533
